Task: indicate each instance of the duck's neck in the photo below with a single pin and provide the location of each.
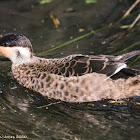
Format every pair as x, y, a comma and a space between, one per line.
23, 60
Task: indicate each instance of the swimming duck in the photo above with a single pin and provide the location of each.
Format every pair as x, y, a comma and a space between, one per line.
75, 78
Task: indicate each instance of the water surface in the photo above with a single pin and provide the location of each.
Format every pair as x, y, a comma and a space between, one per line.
19, 112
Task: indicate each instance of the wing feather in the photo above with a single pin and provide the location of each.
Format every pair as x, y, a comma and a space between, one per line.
77, 65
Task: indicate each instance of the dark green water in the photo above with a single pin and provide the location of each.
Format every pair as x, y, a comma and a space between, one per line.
19, 115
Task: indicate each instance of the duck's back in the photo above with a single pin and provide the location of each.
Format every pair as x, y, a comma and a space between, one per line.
78, 65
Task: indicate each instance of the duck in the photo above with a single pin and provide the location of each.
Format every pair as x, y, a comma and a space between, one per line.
74, 78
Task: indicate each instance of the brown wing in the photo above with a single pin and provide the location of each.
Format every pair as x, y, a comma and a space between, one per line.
77, 65
83, 64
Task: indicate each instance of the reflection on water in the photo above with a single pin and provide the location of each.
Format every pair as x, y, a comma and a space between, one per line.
19, 112
20, 115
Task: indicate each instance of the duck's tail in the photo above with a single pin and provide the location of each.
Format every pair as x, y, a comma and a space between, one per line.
127, 56
123, 71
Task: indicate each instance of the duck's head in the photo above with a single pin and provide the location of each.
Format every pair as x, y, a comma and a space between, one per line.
16, 47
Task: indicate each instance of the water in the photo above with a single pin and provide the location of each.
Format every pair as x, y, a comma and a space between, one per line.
19, 113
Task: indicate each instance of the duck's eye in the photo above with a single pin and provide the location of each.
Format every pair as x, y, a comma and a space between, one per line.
5, 44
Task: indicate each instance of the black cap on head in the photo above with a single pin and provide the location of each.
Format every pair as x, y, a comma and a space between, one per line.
15, 39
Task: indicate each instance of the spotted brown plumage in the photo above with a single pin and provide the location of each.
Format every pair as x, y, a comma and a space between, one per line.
75, 78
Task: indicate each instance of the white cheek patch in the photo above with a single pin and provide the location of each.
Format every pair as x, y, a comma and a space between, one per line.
19, 55
22, 51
